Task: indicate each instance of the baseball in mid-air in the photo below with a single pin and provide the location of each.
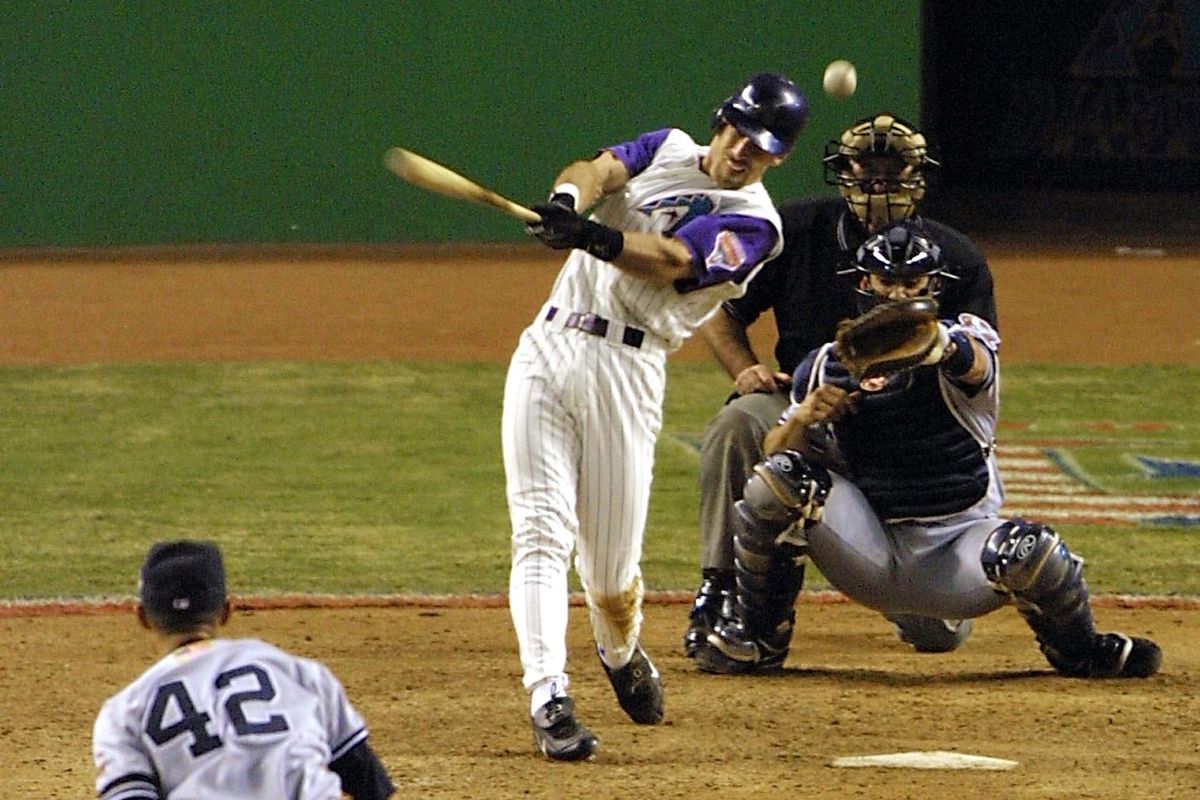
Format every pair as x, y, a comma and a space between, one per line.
841, 79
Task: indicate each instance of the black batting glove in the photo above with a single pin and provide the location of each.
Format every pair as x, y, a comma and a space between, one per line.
561, 228
537, 229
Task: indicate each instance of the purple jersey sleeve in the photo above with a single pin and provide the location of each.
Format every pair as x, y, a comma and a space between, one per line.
637, 154
725, 247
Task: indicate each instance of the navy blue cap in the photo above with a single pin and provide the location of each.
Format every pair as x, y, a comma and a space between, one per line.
183, 581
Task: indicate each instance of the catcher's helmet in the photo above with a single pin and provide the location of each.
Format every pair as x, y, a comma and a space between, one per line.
770, 110
879, 165
902, 251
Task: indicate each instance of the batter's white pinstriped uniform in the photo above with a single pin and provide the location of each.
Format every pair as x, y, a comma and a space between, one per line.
583, 397
226, 719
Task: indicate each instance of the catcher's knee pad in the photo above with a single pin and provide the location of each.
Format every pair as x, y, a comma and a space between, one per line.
784, 488
1032, 562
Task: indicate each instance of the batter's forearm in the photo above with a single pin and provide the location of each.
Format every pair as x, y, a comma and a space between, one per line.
654, 258
593, 179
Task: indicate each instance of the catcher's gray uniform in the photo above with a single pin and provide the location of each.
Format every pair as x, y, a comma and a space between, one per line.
905, 537
916, 531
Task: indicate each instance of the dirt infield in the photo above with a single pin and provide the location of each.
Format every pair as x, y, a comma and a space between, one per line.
440, 686
470, 305
440, 690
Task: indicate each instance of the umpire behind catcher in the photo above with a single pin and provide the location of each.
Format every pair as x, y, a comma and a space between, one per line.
879, 165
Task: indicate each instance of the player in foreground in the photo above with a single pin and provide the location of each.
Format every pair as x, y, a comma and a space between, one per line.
225, 719
886, 477
678, 227
880, 165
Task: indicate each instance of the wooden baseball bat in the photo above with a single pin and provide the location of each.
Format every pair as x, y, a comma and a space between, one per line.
420, 171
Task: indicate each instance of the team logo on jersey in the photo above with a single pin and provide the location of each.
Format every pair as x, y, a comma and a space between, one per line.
981, 330
876, 384
678, 210
727, 253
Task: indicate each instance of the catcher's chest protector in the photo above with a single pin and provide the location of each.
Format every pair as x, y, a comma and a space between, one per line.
908, 453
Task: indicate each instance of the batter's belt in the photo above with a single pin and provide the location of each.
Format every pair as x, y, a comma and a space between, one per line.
597, 326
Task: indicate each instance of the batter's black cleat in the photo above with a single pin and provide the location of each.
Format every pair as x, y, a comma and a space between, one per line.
638, 688
713, 602
559, 736
1113, 655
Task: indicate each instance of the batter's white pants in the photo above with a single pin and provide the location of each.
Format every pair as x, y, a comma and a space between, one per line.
581, 416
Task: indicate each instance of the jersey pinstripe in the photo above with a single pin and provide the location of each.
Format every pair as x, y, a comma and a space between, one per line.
666, 196
583, 407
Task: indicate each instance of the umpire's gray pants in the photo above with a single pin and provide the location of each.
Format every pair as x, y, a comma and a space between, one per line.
731, 447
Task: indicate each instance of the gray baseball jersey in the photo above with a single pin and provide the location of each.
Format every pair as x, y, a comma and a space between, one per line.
584, 392
907, 516
225, 719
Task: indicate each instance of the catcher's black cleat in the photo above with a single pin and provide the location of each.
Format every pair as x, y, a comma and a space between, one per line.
930, 634
714, 602
733, 650
638, 688
711, 660
1112, 655
559, 736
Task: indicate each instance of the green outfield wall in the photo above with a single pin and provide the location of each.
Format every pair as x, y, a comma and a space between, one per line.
131, 123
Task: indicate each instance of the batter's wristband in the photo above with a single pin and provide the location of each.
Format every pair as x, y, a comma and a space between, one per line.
959, 362
603, 242
563, 200
568, 189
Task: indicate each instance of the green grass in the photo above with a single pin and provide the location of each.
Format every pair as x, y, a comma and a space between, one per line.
387, 477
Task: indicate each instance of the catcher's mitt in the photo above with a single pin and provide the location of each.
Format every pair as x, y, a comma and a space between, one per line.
890, 338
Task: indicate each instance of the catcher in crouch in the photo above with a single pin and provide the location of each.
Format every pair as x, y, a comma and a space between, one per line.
883, 472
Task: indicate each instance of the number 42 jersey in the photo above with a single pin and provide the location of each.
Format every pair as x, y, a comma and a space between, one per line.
225, 718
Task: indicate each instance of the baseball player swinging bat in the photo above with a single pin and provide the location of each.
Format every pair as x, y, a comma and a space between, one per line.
420, 171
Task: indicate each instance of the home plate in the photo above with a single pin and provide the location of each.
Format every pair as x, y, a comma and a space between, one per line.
926, 759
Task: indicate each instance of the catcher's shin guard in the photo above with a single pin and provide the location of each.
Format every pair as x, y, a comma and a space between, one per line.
785, 492
1032, 562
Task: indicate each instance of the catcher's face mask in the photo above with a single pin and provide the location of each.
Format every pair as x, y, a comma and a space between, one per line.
899, 262
878, 166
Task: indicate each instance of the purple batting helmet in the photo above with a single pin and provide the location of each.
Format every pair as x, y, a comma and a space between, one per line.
770, 110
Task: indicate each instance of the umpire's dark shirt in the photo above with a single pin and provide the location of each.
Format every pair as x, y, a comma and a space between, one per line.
809, 298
